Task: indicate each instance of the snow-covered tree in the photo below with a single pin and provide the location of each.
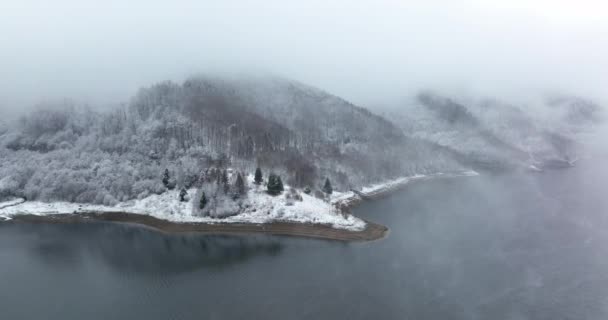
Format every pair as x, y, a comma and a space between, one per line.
279, 184
327, 188
183, 195
203, 201
258, 176
275, 185
239, 185
225, 182
166, 178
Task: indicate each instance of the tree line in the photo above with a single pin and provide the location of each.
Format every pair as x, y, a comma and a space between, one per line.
235, 190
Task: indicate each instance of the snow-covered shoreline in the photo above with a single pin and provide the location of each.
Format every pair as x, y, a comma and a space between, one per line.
262, 208
349, 199
11, 203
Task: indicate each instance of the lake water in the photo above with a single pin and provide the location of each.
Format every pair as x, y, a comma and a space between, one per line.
529, 246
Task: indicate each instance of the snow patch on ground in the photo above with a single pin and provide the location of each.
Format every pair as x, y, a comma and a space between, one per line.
265, 208
260, 208
12, 202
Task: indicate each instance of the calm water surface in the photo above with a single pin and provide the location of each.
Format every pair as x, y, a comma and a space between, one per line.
491, 247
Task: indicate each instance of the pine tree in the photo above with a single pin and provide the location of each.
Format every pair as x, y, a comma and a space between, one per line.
240, 185
224, 177
202, 202
275, 185
279, 184
182, 194
225, 184
327, 188
258, 176
271, 184
166, 178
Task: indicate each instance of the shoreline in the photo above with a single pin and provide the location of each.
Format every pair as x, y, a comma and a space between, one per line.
344, 203
355, 198
372, 231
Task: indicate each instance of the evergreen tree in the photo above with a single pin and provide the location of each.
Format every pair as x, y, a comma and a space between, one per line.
279, 184
166, 178
270, 184
327, 188
225, 184
240, 185
202, 202
275, 185
224, 177
182, 194
258, 176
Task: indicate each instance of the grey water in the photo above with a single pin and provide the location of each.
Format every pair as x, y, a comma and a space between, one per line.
516, 246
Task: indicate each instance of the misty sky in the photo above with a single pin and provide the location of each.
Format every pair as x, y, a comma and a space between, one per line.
370, 52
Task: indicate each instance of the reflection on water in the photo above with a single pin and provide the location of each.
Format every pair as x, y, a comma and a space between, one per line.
137, 249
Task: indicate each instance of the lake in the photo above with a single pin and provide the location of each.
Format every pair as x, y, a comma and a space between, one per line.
517, 246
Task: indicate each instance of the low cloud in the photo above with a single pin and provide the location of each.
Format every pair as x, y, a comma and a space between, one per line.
371, 53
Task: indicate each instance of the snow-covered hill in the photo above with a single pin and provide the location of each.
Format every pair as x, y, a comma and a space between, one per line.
493, 134
66, 152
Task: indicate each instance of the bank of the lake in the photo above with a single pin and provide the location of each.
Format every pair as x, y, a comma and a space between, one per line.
372, 231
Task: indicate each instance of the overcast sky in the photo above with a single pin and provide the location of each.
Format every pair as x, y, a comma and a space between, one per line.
369, 52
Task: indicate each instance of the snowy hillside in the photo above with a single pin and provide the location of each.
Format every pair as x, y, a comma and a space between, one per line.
66, 152
493, 134
195, 139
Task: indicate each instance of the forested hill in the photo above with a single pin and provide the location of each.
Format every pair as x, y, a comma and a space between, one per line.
493, 134
67, 152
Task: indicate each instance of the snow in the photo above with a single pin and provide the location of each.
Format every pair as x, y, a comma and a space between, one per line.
12, 202
346, 198
265, 208
260, 208
388, 185
341, 196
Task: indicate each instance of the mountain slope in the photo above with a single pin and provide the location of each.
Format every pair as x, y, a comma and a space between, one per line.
302, 133
491, 134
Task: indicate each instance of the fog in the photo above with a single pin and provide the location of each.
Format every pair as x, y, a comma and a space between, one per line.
371, 53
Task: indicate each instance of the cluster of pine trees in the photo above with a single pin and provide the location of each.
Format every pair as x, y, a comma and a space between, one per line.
216, 186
